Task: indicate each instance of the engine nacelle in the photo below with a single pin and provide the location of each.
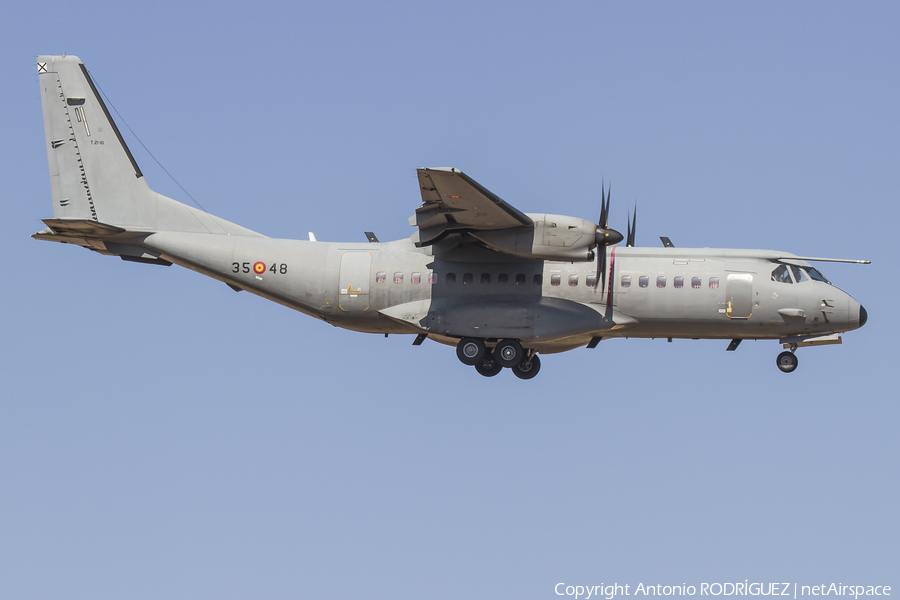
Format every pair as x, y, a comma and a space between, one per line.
553, 237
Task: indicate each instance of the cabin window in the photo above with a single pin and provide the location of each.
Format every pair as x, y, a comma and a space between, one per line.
450, 279
661, 281
468, 278
502, 279
555, 279
415, 278
485, 278
433, 278
590, 281
380, 277
398, 277
520, 279
782, 274
626, 281
713, 283
538, 279
679, 282
644, 281
695, 283
799, 274
573, 280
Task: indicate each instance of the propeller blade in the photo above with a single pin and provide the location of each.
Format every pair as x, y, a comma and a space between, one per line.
604, 236
632, 228
612, 278
601, 267
604, 206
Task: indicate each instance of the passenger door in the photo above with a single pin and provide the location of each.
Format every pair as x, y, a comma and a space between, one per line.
739, 295
354, 281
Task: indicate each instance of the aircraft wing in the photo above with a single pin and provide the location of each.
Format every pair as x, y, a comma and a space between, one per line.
454, 202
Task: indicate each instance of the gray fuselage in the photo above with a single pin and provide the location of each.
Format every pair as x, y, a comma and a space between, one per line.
549, 306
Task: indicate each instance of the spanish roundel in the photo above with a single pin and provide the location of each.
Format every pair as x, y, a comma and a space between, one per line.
259, 268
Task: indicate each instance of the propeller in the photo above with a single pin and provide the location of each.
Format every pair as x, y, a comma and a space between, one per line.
604, 236
632, 227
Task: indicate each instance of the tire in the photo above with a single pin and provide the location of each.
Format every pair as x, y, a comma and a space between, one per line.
470, 351
488, 366
509, 353
527, 368
786, 361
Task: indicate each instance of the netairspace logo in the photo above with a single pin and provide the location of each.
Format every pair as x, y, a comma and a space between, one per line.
745, 588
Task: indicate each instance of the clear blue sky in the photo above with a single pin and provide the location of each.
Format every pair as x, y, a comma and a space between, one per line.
163, 436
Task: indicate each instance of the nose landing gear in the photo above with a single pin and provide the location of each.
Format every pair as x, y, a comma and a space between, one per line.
786, 361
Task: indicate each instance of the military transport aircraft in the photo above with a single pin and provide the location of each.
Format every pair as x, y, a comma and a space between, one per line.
500, 285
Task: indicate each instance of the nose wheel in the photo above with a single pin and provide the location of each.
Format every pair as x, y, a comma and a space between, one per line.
786, 361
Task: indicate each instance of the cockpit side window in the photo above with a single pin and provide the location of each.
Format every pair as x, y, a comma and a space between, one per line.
782, 274
799, 274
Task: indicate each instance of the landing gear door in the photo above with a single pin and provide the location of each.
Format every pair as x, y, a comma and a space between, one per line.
739, 296
354, 281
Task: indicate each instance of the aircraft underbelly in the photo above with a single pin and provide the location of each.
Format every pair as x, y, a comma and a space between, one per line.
529, 320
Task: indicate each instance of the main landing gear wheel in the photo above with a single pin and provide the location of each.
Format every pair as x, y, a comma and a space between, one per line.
509, 353
470, 351
528, 368
786, 361
488, 366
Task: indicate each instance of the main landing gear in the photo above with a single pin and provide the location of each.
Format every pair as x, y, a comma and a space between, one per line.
787, 361
523, 362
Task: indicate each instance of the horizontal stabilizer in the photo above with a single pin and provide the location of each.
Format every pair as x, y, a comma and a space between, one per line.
83, 228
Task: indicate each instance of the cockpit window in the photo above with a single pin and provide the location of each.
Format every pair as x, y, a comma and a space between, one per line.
799, 274
782, 274
814, 274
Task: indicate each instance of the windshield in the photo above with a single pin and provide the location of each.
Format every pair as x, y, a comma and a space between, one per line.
783, 272
814, 274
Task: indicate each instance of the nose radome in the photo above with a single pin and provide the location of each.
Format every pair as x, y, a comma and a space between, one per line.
863, 315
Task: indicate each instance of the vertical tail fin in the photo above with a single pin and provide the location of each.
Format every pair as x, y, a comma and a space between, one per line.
93, 175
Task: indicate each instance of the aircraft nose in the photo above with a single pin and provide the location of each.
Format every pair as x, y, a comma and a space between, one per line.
856, 313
